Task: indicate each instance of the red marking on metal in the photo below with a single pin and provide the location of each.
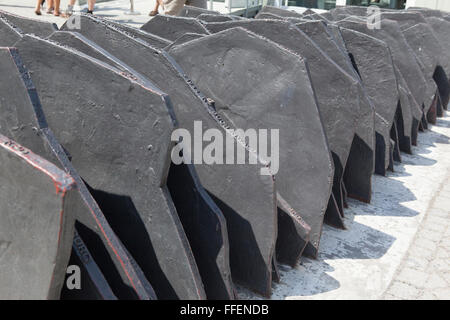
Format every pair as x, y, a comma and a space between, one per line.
61, 180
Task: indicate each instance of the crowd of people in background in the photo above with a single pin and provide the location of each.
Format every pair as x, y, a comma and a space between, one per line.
170, 7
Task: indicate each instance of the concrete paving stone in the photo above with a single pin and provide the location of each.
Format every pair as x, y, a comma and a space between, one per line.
442, 294
421, 253
435, 281
433, 236
427, 295
439, 265
442, 253
436, 221
412, 276
389, 296
427, 244
436, 212
443, 203
445, 243
403, 290
434, 227
417, 263
446, 234
446, 276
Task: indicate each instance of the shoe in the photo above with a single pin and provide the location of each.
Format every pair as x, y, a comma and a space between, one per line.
68, 12
153, 13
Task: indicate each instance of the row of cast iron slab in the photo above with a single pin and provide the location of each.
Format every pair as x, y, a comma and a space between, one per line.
86, 118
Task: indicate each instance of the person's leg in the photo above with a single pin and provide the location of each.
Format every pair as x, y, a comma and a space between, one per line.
38, 7
50, 6
69, 10
155, 10
91, 4
57, 4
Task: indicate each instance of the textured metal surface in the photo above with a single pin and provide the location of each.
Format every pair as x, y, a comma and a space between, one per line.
435, 59
207, 17
193, 12
114, 159
31, 26
152, 39
36, 224
375, 66
171, 28
403, 56
24, 111
277, 105
279, 12
330, 42
250, 200
330, 85
9, 34
184, 38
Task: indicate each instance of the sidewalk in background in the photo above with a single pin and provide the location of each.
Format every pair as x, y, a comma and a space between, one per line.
114, 10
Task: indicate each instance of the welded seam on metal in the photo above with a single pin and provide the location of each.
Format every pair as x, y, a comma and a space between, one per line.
3, 13
11, 25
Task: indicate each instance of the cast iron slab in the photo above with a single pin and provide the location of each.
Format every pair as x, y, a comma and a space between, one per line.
325, 38
279, 12
210, 250
247, 199
374, 62
407, 100
361, 167
9, 34
245, 64
434, 57
217, 279
329, 81
36, 224
31, 26
424, 37
403, 56
172, 28
207, 17
184, 38
405, 19
118, 135
193, 12
23, 119
268, 15
81, 43
152, 39
441, 29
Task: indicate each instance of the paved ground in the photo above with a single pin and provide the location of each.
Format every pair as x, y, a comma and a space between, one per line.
425, 271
